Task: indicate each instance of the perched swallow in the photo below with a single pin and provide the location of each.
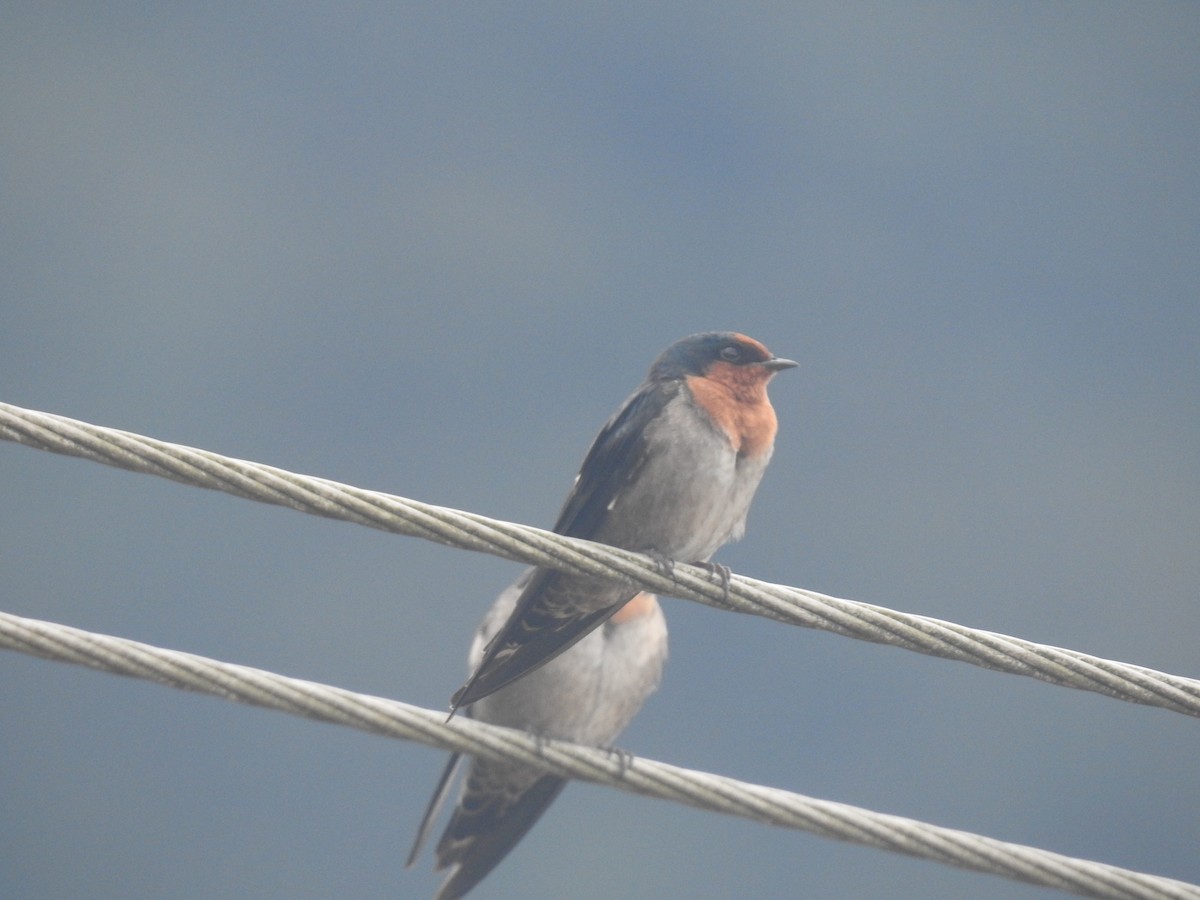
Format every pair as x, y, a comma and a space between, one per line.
671, 474
587, 694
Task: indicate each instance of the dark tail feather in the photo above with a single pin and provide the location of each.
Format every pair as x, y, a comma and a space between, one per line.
431, 811
474, 861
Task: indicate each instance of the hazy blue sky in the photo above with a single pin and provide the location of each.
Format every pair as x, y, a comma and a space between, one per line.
428, 250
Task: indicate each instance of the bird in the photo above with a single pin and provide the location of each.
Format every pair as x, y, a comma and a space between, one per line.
670, 474
587, 695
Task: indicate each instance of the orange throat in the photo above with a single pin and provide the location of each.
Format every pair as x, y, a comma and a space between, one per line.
736, 399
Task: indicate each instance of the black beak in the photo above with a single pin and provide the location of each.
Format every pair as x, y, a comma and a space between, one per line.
775, 364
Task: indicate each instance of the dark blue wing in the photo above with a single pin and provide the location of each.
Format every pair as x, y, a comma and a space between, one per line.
556, 610
614, 460
550, 616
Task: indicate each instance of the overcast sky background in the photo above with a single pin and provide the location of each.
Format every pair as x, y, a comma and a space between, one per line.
429, 250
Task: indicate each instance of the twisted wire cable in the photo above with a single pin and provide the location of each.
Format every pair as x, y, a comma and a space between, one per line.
465, 530
703, 790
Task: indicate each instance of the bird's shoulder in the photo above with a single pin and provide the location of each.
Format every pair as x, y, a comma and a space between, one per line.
616, 457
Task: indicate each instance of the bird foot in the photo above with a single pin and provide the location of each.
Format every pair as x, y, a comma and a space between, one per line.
624, 759
720, 573
662, 562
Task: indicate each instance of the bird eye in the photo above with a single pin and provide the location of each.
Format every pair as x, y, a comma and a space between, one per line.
730, 353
